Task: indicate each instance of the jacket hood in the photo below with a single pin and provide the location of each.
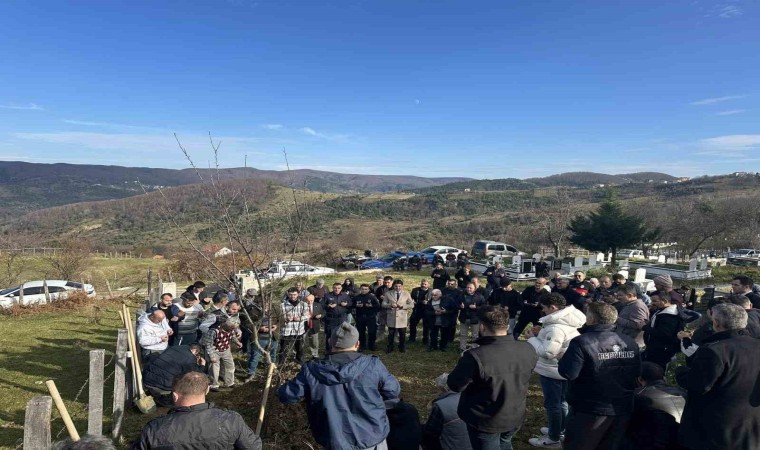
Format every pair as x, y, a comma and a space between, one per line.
672, 310
330, 373
569, 316
143, 319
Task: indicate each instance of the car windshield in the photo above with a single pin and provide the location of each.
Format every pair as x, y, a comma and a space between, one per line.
9, 290
744, 251
390, 257
74, 285
429, 250
479, 245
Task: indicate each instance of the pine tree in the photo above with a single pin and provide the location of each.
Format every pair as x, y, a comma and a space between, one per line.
608, 229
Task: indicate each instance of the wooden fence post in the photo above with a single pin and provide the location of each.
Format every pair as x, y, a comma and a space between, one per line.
37, 423
148, 301
21, 295
46, 291
95, 403
119, 383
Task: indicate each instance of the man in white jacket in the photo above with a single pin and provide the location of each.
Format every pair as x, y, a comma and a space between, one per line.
559, 326
153, 333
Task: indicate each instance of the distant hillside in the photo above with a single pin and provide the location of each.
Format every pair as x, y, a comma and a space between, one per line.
570, 179
26, 187
587, 179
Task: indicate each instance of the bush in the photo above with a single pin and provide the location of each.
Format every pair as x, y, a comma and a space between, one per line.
725, 274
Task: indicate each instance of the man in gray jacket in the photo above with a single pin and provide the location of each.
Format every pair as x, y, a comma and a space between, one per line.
444, 429
633, 314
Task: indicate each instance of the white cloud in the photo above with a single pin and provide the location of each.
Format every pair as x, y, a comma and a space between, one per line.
27, 107
86, 123
729, 11
710, 101
730, 112
730, 146
330, 137
273, 126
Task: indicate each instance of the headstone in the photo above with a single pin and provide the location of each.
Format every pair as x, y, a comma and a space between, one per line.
166, 288
641, 275
609, 257
592, 260
692, 264
557, 264
670, 261
516, 260
536, 256
703, 264
661, 259
578, 261
624, 263
623, 273
527, 266
600, 257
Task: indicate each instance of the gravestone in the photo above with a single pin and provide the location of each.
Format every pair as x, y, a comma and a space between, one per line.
671, 261
536, 257
600, 257
624, 263
641, 275
516, 260
692, 264
557, 264
609, 257
578, 261
661, 259
592, 260
623, 273
703, 264
527, 266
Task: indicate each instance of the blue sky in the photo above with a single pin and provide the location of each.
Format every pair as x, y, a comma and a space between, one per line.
486, 89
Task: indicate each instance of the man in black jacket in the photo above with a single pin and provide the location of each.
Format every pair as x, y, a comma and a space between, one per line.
420, 296
657, 412
723, 383
572, 297
159, 374
743, 285
194, 424
602, 367
336, 305
507, 297
530, 311
440, 276
451, 296
493, 379
367, 306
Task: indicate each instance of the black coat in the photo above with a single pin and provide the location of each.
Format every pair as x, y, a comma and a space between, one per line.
173, 361
198, 427
657, 412
602, 367
493, 379
448, 319
573, 298
723, 403
530, 305
453, 296
661, 340
406, 430
468, 313
753, 323
337, 315
440, 277
420, 297
363, 313
506, 299
463, 278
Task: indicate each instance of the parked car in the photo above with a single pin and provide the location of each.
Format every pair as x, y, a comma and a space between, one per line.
745, 253
34, 292
354, 259
443, 250
487, 249
627, 253
386, 261
288, 269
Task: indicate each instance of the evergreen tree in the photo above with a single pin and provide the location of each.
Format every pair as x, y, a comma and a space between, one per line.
608, 229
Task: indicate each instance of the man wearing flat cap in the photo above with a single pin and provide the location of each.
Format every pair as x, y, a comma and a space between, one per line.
345, 380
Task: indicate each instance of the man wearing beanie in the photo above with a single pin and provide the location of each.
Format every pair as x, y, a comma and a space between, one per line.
664, 284
345, 394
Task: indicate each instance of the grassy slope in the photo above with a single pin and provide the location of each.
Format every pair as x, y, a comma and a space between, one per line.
43, 346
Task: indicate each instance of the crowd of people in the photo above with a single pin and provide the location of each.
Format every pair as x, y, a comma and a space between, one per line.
601, 349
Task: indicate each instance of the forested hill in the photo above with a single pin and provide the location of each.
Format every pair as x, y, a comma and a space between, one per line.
26, 187
569, 179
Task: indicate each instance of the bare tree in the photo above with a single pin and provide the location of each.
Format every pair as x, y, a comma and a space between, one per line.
13, 260
697, 221
70, 259
555, 218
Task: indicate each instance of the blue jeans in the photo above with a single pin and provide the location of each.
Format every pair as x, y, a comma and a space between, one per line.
555, 403
490, 441
254, 353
